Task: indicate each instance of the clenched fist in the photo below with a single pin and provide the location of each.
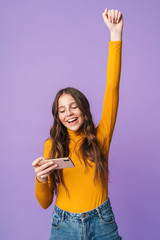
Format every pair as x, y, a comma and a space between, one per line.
114, 21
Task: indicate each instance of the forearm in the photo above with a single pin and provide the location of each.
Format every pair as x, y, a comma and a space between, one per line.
44, 194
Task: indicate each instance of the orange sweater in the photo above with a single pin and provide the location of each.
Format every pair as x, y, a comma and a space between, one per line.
84, 194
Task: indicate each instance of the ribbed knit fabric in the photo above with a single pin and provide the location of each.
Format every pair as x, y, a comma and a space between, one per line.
84, 194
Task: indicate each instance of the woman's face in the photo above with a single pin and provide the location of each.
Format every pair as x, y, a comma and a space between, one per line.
69, 114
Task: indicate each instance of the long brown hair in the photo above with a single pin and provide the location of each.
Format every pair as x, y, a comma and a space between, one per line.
89, 150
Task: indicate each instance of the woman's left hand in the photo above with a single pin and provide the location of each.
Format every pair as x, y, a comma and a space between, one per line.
114, 20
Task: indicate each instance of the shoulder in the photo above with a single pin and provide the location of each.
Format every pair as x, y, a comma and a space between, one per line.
48, 143
47, 147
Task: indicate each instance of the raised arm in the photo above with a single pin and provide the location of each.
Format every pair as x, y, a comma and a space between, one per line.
114, 22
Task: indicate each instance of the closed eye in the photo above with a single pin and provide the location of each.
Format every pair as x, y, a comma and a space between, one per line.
61, 111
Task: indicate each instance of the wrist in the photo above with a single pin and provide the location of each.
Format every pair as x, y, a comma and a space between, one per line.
116, 36
41, 180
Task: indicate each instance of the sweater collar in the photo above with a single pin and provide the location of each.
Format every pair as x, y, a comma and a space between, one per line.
75, 133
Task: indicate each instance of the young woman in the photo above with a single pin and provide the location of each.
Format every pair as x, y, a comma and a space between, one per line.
83, 209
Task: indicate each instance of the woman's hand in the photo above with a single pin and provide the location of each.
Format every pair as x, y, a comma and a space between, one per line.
44, 170
114, 21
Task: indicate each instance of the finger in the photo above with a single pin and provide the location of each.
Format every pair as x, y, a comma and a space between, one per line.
116, 16
119, 16
34, 163
113, 15
46, 175
104, 14
44, 166
46, 171
109, 15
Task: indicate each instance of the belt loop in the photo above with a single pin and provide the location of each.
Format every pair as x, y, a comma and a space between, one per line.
63, 215
99, 213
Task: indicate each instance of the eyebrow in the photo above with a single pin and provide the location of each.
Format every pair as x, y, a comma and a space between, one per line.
64, 106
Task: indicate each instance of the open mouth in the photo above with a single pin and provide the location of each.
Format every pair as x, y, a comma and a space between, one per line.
72, 120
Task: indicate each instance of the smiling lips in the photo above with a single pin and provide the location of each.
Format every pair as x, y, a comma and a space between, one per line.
72, 120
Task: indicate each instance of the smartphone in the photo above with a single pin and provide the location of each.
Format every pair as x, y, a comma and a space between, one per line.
61, 162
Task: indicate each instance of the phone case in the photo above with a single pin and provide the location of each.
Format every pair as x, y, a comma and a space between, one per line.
61, 162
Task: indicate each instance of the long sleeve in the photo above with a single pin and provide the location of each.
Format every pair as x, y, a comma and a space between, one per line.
111, 97
43, 191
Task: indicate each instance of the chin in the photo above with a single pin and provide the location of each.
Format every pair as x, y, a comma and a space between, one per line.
75, 128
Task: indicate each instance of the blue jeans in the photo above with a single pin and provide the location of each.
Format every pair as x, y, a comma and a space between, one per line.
97, 224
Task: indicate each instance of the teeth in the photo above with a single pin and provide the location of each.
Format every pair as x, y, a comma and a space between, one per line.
71, 120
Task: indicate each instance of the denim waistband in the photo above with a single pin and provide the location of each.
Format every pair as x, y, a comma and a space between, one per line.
77, 216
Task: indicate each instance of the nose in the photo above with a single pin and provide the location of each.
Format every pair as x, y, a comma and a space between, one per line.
69, 112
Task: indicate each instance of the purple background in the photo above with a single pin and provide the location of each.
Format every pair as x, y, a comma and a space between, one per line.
47, 45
